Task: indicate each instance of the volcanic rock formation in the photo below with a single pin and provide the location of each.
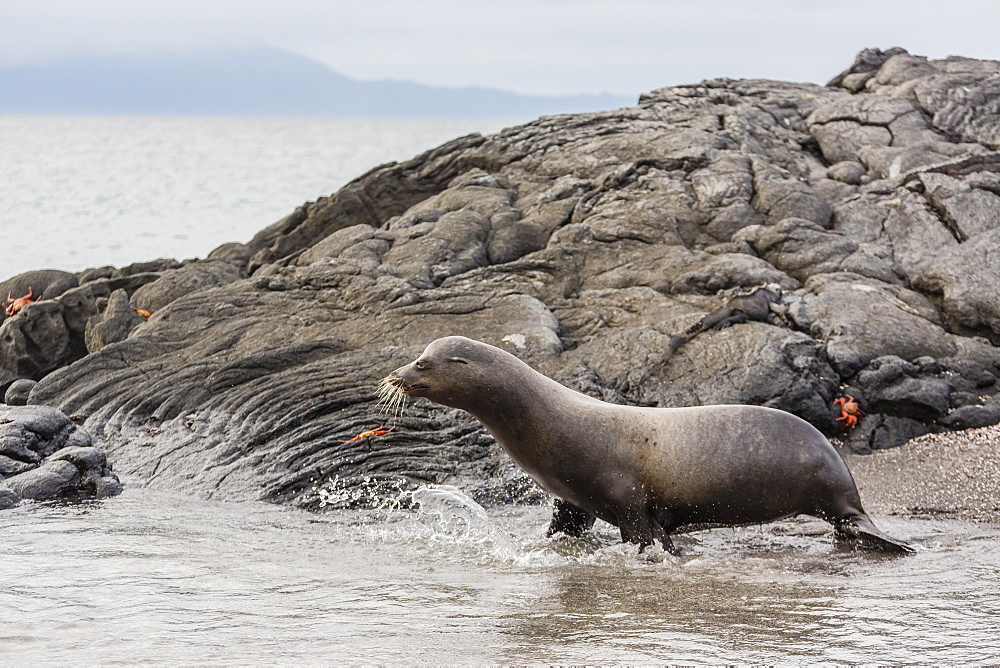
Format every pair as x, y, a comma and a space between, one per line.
581, 243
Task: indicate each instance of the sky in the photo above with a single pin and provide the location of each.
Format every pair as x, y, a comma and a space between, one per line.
528, 46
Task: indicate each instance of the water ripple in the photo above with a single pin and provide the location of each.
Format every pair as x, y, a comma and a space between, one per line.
149, 577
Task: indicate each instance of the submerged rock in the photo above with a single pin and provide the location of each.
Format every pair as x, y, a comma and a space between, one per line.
581, 243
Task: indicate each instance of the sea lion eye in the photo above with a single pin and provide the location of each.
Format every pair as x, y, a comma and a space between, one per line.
420, 364
458, 359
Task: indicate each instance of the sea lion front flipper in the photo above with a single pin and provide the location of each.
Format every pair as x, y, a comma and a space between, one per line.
861, 529
570, 520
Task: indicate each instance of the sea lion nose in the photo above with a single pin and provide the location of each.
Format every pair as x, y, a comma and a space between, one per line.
401, 375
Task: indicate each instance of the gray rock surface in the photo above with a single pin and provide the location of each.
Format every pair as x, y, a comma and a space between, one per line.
18, 391
178, 282
8, 497
44, 283
44, 456
114, 324
48, 481
52, 333
581, 243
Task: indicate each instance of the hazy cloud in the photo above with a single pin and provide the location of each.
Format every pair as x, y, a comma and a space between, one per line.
553, 46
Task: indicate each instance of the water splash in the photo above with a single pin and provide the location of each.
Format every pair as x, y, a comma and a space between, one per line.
458, 518
374, 492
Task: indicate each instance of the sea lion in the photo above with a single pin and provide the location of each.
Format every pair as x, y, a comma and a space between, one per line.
754, 306
648, 471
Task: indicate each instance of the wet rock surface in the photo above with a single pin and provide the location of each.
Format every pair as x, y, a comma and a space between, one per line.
44, 457
581, 243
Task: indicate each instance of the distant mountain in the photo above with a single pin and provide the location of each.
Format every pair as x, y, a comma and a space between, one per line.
258, 82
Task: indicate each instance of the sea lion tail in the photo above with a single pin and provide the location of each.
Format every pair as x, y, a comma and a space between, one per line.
861, 528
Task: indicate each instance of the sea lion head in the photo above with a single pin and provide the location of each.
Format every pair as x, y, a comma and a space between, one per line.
452, 371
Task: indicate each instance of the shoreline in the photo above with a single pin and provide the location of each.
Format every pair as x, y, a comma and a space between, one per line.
951, 474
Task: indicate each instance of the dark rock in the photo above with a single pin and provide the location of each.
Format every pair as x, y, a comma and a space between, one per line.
132, 282
886, 370
50, 480
802, 248
6, 379
36, 341
903, 67
862, 318
927, 364
783, 199
866, 63
959, 399
8, 497
82, 457
117, 321
847, 171
96, 273
921, 399
178, 282
360, 243
371, 199
79, 305
967, 211
19, 443
881, 432
71, 468
11, 467
49, 425
233, 253
148, 267
960, 97
49, 334
970, 417
17, 392
97, 480
44, 283
965, 277
896, 387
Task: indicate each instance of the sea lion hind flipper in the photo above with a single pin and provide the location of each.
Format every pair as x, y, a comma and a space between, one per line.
869, 536
643, 527
569, 519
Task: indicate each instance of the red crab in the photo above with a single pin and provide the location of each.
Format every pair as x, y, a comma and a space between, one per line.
15, 304
377, 431
850, 412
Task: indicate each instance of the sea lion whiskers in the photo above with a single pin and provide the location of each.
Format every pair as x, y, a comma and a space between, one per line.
392, 398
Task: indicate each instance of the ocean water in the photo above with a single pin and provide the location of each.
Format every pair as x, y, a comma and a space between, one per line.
84, 191
155, 577
151, 577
